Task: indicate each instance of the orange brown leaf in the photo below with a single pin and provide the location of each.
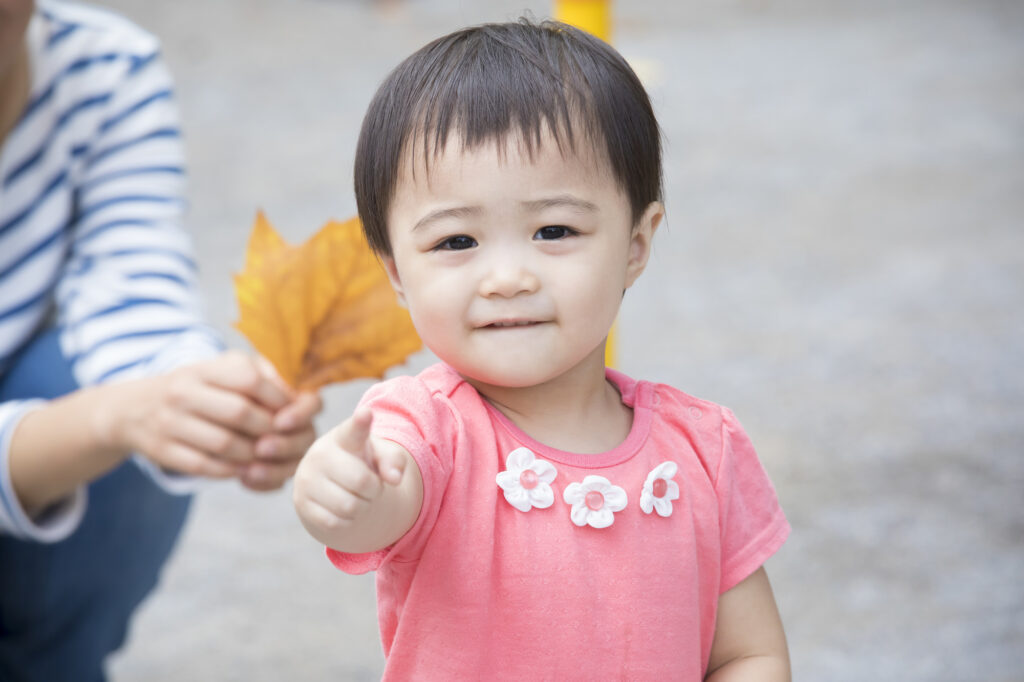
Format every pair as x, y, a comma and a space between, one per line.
322, 311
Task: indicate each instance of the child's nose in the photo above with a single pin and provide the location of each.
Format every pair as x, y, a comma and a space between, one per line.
508, 280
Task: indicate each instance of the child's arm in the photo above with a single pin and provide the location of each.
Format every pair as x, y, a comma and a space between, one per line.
749, 643
355, 493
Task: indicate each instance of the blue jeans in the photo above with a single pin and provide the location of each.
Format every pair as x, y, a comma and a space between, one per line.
65, 606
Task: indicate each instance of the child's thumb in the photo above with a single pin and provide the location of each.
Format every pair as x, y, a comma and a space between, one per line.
390, 464
354, 434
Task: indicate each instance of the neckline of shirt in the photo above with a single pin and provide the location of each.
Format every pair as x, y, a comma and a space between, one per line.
635, 394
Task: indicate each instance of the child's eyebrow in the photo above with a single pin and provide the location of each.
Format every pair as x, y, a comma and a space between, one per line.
441, 213
566, 200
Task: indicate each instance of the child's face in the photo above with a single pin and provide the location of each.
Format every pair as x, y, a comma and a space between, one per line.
513, 270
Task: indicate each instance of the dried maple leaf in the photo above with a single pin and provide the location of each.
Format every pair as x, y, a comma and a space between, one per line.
323, 311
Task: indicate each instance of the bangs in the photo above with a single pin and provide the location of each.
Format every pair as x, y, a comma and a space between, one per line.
496, 82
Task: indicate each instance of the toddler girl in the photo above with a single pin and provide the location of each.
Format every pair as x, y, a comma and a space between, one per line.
532, 515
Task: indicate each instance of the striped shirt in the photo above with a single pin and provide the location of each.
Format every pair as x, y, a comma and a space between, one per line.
91, 236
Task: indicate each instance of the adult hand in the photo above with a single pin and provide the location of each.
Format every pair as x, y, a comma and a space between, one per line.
279, 452
227, 416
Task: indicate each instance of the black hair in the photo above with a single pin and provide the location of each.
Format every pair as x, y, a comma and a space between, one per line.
488, 81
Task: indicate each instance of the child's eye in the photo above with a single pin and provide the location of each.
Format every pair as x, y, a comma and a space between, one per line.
549, 232
457, 243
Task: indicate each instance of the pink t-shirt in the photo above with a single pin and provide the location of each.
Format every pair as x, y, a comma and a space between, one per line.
574, 567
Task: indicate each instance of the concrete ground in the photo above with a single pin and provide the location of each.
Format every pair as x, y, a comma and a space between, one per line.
843, 265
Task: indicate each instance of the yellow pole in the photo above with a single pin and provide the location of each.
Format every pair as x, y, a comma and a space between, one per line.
593, 16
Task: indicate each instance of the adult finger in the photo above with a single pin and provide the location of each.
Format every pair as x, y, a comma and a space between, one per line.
299, 412
215, 440
240, 373
183, 459
264, 476
269, 372
229, 409
285, 446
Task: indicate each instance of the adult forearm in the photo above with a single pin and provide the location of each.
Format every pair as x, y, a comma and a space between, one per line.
61, 446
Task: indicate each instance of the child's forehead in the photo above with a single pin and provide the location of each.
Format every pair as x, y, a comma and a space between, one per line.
424, 158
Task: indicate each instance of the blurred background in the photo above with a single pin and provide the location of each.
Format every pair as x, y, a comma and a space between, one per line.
843, 266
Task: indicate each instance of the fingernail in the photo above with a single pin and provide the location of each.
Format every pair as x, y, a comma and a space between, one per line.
394, 475
266, 448
285, 422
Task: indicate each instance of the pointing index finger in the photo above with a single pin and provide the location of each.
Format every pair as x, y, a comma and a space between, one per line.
353, 436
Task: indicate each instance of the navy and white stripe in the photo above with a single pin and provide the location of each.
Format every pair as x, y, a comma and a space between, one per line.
91, 204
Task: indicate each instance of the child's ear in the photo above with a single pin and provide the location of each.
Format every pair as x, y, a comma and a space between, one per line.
396, 281
640, 241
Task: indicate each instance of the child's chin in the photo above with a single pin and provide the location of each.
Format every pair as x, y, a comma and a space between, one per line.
498, 378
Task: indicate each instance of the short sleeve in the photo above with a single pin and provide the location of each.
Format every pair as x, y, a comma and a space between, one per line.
753, 526
407, 412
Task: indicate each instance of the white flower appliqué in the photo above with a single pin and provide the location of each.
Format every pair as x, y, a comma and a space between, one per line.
527, 480
659, 489
594, 501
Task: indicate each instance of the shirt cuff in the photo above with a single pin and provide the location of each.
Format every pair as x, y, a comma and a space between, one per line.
57, 521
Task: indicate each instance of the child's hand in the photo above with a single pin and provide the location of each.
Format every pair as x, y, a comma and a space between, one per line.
343, 478
353, 436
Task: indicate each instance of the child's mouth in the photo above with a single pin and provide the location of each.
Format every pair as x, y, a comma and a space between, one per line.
521, 323
512, 324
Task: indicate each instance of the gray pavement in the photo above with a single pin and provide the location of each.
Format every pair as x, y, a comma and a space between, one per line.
843, 265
